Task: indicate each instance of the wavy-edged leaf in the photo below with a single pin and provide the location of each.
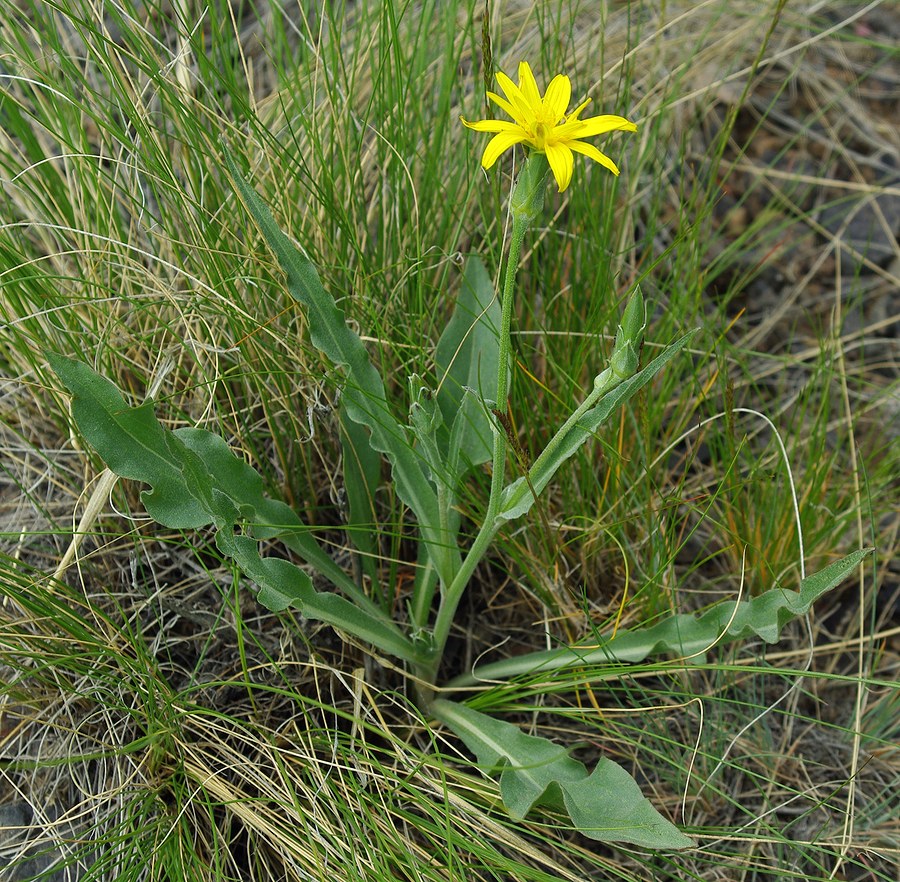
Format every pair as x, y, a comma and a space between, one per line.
518, 497
685, 636
363, 396
283, 584
133, 443
606, 805
196, 480
265, 517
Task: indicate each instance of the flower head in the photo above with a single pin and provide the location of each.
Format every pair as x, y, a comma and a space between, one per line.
542, 124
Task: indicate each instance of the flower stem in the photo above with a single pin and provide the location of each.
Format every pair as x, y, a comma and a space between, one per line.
526, 202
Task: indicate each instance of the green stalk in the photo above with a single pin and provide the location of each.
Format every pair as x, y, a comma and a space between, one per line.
526, 202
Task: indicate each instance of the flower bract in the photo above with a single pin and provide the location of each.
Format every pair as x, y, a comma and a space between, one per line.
542, 124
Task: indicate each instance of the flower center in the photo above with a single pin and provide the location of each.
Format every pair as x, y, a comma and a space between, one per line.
541, 130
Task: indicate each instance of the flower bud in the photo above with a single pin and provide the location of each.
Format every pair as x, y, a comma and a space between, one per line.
634, 319
424, 414
629, 336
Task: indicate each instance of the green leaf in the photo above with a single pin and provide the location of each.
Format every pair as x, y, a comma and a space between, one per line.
362, 473
466, 358
518, 497
363, 396
606, 805
236, 480
133, 443
196, 480
283, 584
685, 636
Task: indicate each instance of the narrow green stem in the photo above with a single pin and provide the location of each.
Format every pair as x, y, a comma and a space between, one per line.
492, 523
453, 594
526, 201
498, 464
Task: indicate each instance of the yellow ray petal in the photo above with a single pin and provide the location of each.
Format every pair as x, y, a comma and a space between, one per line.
573, 116
591, 151
599, 125
506, 107
556, 98
516, 98
561, 163
500, 143
490, 125
528, 86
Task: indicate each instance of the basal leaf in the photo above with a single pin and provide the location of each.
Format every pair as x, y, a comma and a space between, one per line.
362, 473
685, 635
283, 584
606, 805
363, 396
266, 518
133, 443
195, 480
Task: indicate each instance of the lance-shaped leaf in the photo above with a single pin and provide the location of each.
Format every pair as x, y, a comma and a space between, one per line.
266, 518
466, 358
685, 636
283, 584
134, 444
362, 472
518, 496
363, 396
606, 805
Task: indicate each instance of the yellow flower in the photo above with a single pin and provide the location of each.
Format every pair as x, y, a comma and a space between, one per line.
543, 125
